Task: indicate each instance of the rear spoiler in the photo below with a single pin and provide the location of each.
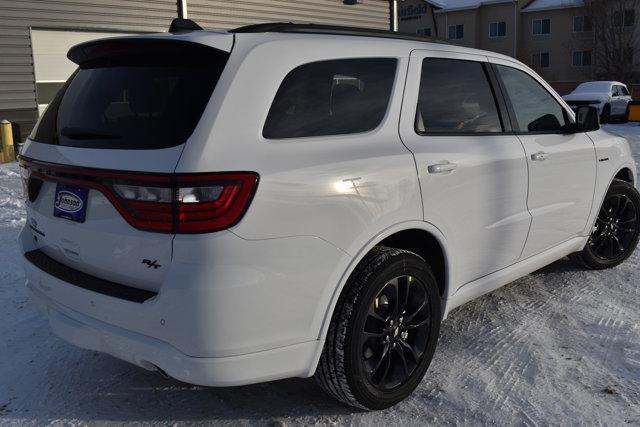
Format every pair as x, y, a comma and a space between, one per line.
139, 49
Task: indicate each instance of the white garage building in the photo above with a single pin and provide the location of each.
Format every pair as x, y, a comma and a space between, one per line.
35, 35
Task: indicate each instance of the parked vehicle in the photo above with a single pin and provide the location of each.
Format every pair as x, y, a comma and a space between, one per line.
609, 97
198, 208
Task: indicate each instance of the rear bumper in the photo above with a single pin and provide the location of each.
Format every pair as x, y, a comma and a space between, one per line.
151, 353
230, 312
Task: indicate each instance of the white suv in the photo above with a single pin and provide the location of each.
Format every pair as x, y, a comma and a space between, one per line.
610, 98
288, 200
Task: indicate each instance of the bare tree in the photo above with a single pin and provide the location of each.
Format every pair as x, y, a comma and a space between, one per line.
615, 38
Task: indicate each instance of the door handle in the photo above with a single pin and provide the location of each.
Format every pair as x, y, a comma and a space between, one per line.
540, 156
441, 167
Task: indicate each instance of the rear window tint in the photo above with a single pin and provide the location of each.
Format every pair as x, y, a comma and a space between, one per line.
455, 97
331, 98
149, 95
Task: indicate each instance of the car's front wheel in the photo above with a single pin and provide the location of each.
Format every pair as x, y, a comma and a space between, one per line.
617, 229
383, 332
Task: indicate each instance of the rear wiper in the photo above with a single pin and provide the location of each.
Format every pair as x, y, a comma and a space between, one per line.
86, 133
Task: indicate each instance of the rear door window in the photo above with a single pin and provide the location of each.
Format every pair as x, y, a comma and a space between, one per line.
138, 94
331, 98
456, 97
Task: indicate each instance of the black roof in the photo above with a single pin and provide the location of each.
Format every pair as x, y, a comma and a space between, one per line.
288, 27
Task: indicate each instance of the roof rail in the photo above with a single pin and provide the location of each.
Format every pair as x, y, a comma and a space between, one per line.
181, 24
289, 27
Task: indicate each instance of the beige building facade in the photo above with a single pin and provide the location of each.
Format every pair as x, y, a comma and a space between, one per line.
554, 37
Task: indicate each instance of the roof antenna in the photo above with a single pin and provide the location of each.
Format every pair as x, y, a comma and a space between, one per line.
181, 24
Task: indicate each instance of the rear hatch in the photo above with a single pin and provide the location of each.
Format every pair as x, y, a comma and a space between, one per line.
98, 166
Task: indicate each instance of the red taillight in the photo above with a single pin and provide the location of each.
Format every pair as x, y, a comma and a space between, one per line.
176, 203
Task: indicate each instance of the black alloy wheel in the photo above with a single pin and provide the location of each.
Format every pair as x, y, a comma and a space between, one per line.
616, 231
396, 332
615, 227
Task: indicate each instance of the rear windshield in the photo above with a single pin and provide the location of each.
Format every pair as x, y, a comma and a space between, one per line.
132, 95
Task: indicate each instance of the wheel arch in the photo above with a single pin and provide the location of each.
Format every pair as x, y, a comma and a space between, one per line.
625, 174
402, 236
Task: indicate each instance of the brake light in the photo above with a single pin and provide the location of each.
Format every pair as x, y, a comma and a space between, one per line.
167, 203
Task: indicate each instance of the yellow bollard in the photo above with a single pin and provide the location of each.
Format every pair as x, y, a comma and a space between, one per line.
8, 153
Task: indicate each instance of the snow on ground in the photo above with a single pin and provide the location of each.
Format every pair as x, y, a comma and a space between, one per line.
560, 346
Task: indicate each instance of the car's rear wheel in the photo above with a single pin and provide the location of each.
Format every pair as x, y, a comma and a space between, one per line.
625, 118
616, 231
605, 117
383, 332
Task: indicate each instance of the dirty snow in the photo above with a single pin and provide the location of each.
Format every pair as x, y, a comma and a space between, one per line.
560, 346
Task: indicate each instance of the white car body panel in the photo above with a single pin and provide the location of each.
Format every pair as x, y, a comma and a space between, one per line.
490, 175
253, 303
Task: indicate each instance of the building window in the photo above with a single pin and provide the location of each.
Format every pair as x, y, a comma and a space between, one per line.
625, 18
582, 24
541, 26
582, 58
456, 32
424, 32
540, 60
497, 29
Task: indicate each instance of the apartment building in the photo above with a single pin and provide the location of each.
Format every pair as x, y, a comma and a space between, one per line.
35, 35
555, 37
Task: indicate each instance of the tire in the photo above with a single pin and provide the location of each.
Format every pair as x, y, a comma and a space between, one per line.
605, 117
625, 118
347, 368
616, 231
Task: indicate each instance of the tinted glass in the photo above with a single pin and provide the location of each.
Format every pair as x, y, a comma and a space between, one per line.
536, 110
134, 100
331, 98
455, 97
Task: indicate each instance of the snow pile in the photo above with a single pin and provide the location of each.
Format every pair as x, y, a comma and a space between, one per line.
560, 346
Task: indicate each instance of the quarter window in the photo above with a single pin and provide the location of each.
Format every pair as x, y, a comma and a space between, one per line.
455, 97
541, 26
536, 110
331, 98
456, 32
497, 29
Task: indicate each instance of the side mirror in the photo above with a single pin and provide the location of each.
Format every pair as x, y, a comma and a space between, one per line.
587, 119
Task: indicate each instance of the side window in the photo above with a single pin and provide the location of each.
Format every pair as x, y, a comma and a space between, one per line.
536, 110
331, 98
624, 91
455, 97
